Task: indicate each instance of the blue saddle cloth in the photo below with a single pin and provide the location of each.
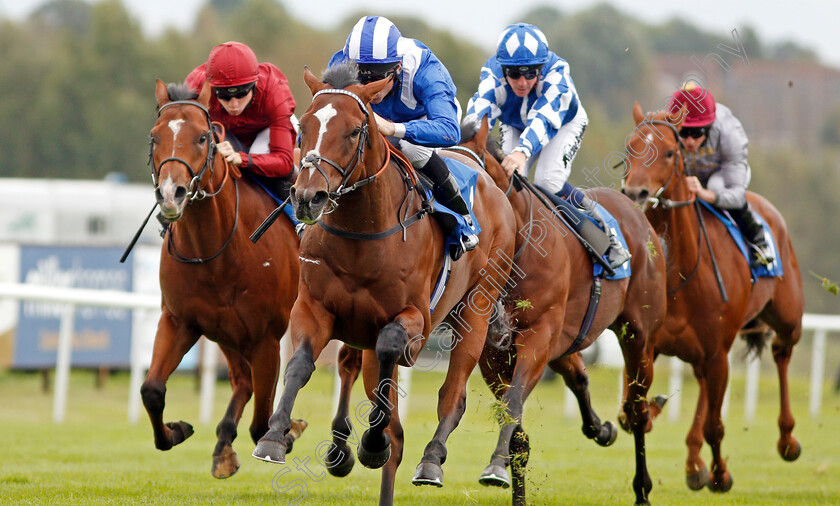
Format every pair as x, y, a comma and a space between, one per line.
624, 270
288, 211
467, 179
771, 270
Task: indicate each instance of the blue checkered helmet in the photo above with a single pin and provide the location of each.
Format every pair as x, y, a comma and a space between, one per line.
522, 44
373, 40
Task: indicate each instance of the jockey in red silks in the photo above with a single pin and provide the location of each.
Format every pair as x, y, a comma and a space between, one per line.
253, 102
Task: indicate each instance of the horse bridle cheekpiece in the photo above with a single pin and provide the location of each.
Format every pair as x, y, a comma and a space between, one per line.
314, 161
657, 200
193, 193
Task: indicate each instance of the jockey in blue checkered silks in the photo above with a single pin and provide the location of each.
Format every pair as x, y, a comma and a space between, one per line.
529, 90
418, 110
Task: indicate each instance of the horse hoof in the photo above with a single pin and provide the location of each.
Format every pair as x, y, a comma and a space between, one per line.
179, 431
495, 476
428, 474
608, 434
374, 459
724, 485
343, 467
698, 480
623, 422
225, 464
790, 453
270, 451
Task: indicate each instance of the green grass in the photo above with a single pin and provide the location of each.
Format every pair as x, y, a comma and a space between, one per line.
96, 456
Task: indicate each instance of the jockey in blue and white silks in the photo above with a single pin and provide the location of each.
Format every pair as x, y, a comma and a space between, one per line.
418, 110
530, 90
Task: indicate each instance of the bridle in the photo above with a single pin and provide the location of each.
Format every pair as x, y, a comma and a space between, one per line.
657, 200
409, 178
194, 192
314, 161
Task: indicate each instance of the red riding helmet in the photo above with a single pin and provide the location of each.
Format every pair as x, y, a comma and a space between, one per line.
699, 103
232, 64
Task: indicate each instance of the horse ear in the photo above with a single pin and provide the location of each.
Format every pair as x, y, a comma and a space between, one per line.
638, 115
204, 96
314, 84
161, 93
368, 91
483, 132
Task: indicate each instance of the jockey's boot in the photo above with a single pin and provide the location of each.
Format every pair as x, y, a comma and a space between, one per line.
760, 252
448, 191
617, 254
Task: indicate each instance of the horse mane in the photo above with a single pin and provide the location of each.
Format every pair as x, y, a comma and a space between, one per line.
180, 92
342, 74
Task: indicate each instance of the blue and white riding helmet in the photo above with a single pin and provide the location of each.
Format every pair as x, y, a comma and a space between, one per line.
522, 45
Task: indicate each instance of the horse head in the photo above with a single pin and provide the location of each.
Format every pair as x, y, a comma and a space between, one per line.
181, 147
654, 163
336, 129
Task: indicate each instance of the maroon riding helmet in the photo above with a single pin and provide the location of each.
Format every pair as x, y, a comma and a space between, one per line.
232, 64
699, 103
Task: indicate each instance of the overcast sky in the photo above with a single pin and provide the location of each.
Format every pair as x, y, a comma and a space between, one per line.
811, 23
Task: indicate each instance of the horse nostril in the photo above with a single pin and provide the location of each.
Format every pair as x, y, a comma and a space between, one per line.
644, 194
319, 199
180, 194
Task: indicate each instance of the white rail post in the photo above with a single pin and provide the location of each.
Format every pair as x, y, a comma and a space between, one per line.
817, 371
62, 365
675, 384
209, 361
724, 408
751, 394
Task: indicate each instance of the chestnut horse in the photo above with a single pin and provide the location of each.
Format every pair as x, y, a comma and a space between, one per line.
213, 281
700, 326
554, 274
369, 268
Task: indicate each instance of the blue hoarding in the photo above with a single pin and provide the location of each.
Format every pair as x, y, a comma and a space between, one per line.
102, 335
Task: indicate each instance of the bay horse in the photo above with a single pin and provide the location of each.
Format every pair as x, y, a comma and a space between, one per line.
213, 280
701, 324
369, 269
555, 278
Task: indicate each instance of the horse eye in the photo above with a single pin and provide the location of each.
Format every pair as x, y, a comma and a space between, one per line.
356, 131
669, 154
203, 137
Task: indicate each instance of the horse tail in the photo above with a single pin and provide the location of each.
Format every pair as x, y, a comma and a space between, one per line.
500, 330
756, 334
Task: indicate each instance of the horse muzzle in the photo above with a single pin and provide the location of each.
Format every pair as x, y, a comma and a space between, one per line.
171, 199
308, 204
637, 194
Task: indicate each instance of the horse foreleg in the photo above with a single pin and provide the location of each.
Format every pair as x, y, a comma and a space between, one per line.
788, 446
696, 473
717, 375
638, 360
340, 457
574, 374
496, 367
272, 446
375, 448
452, 397
171, 344
225, 460
373, 387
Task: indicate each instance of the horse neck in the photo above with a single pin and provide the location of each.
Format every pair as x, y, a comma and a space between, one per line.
679, 229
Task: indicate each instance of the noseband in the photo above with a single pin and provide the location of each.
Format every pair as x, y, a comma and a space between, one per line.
193, 193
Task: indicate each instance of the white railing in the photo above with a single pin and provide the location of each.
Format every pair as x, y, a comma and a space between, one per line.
820, 324
74, 297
